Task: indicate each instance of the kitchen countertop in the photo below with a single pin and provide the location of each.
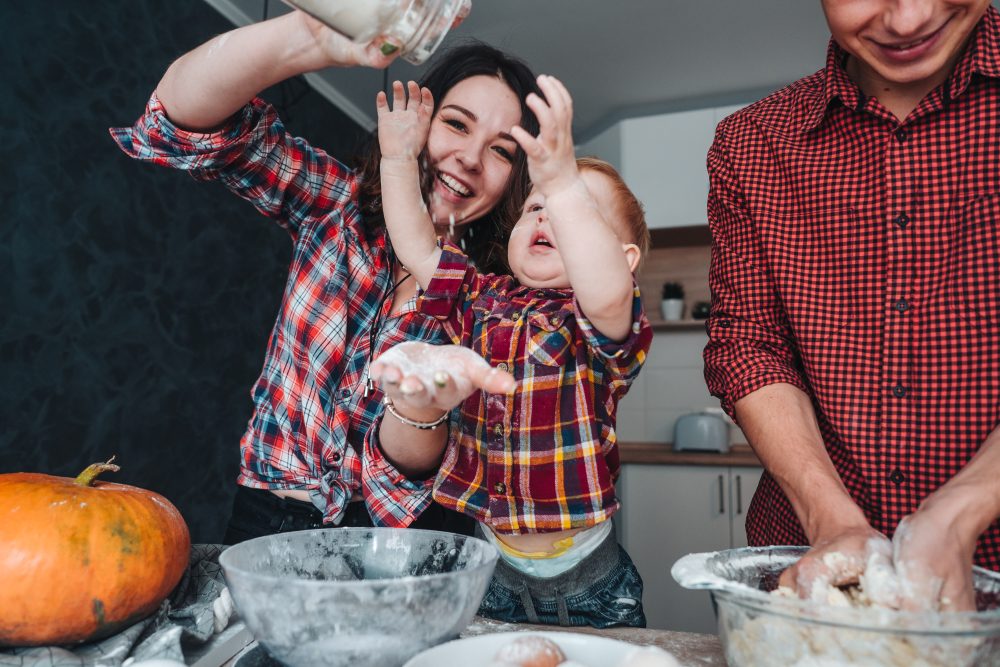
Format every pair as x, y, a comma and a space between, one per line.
664, 454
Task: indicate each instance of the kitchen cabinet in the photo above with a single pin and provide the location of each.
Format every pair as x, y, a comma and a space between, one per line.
663, 160
669, 511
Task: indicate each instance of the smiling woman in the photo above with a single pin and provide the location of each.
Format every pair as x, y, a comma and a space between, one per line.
303, 462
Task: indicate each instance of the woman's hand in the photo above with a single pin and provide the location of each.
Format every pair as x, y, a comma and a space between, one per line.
403, 128
551, 155
420, 376
339, 51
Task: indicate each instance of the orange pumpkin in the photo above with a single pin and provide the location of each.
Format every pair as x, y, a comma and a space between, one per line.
82, 559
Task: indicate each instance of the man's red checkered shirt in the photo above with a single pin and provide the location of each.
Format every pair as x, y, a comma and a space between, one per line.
311, 413
543, 458
858, 258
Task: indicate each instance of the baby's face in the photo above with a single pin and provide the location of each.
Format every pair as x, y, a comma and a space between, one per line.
532, 254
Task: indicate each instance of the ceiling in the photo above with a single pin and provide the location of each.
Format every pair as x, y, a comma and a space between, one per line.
618, 58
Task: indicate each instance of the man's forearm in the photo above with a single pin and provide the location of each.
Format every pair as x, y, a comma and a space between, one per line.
780, 424
972, 497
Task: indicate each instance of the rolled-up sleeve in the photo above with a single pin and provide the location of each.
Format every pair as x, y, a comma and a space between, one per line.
619, 361
749, 339
284, 177
392, 499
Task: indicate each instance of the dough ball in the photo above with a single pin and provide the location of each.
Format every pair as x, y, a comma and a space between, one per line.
649, 656
530, 651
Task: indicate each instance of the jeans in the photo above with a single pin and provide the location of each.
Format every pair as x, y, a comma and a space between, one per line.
603, 590
258, 512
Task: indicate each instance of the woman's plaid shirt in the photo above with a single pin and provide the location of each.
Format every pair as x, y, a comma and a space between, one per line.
858, 258
310, 410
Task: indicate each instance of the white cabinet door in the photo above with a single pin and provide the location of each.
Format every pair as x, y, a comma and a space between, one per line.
742, 484
663, 161
668, 512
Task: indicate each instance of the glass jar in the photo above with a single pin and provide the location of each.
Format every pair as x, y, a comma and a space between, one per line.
418, 26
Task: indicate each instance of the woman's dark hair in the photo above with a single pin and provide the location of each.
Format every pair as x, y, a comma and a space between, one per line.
485, 237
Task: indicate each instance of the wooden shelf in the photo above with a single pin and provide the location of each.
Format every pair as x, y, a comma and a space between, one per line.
679, 325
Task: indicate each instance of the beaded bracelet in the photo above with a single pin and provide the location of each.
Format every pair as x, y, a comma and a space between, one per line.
423, 426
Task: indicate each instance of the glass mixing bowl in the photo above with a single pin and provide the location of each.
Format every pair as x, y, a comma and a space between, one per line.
364, 597
761, 630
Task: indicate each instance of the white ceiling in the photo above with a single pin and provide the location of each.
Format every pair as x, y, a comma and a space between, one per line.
619, 58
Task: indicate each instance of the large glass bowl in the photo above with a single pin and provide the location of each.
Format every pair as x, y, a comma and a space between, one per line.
761, 630
364, 597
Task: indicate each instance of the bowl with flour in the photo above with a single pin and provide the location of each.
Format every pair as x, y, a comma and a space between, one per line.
761, 627
358, 597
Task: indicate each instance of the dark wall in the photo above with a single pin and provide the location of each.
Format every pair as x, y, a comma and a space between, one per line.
135, 303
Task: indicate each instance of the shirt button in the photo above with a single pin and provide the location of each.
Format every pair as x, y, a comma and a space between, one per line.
901, 220
500, 488
503, 367
515, 316
897, 477
725, 324
902, 305
344, 393
556, 321
335, 457
901, 135
636, 327
899, 391
498, 429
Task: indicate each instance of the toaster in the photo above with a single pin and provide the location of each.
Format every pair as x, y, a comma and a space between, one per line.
702, 431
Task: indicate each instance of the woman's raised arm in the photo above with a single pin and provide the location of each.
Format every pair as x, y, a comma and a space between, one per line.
207, 85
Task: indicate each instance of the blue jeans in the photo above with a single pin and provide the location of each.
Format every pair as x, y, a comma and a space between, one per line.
603, 590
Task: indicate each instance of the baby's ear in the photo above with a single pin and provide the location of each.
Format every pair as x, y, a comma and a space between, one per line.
632, 255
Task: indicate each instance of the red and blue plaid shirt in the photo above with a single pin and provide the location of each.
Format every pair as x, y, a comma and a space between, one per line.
310, 413
858, 258
543, 458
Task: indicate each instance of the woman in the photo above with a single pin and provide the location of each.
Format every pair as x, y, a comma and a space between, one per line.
304, 462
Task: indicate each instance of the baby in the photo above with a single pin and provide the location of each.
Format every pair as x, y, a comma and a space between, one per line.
535, 467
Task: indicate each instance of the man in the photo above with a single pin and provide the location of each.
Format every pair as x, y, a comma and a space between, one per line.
855, 325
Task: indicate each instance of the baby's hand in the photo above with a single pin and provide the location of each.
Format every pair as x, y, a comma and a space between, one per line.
402, 130
551, 156
421, 375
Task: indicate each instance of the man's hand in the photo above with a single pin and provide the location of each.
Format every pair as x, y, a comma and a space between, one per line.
933, 557
403, 127
417, 376
838, 560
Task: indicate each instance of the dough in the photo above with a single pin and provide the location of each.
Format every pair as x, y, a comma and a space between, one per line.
530, 651
648, 656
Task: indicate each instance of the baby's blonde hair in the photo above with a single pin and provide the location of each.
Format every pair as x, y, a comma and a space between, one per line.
633, 214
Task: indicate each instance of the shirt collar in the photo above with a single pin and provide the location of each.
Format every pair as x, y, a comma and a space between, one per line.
981, 57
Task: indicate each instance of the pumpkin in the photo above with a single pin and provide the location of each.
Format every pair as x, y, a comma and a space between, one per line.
81, 559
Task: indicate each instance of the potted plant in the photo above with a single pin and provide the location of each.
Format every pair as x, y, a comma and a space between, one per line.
672, 305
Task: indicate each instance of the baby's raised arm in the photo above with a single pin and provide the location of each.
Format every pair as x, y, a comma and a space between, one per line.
402, 134
591, 251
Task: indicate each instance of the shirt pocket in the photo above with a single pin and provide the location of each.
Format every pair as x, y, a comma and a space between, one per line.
974, 282
548, 339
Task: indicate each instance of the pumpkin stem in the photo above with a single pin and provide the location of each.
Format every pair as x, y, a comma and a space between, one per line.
87, 477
